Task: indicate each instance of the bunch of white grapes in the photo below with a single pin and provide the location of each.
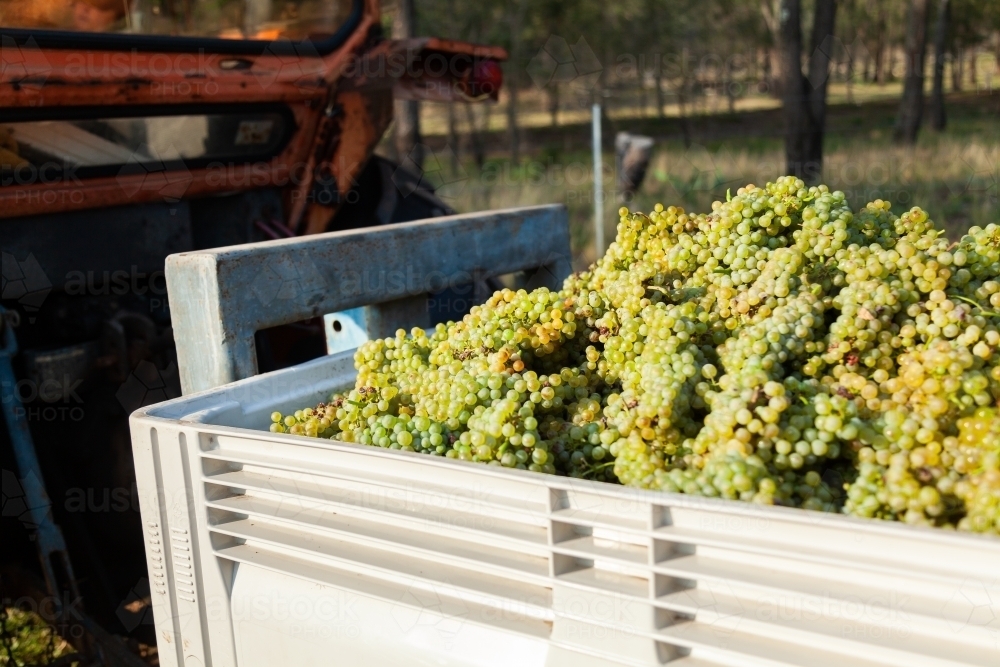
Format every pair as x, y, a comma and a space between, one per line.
781, 349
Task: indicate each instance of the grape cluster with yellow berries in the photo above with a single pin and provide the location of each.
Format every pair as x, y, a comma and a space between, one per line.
781, 349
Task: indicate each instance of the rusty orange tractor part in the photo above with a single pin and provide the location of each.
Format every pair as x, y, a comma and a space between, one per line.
316, 115
134, 129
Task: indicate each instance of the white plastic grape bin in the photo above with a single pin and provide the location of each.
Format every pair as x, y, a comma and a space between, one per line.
274, 549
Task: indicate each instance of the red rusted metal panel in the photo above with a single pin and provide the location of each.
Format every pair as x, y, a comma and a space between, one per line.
341, 104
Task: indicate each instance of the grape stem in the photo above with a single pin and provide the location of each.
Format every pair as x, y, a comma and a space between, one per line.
595, 469
983, 311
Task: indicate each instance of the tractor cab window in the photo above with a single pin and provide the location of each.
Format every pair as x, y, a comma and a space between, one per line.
229, 19
101, 145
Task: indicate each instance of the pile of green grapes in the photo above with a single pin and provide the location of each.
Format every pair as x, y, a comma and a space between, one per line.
781, 349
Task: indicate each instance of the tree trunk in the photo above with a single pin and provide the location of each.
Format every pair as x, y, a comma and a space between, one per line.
682, 116
805, 98
516, 20
866, 66
476, 137
956, 71
796, 112
453, 137
659, 89
824, 23
776, 78
849, 75
513, 133
554, 105
973, 59
938, 118
880, 50
407, 112
727, 88
771, 12
653, 17
911, 105
681, 92
766, 75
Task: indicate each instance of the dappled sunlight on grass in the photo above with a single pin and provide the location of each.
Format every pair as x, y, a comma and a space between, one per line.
28, 640
953, 175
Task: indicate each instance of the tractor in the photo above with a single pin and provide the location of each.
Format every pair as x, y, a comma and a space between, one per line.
133, 129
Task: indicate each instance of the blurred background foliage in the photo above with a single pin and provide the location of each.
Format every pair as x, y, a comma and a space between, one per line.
703, 79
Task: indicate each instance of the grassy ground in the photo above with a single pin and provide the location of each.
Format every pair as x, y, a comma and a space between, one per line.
28, 640
953, 174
